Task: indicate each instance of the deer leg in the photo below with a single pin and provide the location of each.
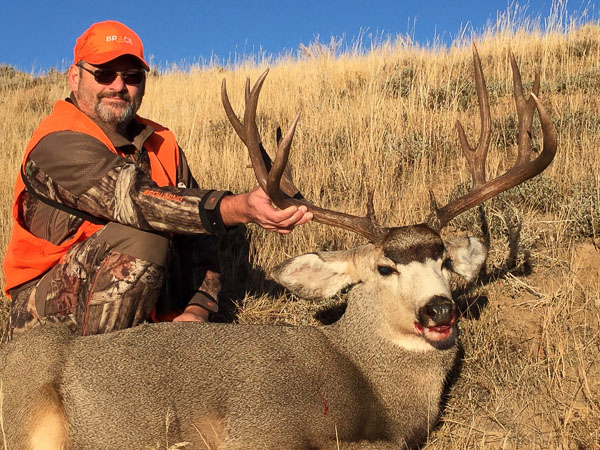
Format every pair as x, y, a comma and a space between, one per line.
48, 426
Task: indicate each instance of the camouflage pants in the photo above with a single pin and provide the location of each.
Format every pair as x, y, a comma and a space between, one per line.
110, 281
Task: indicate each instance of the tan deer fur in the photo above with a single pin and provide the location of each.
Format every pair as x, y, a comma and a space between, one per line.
370, 380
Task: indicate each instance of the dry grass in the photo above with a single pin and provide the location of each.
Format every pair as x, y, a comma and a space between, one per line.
383, 120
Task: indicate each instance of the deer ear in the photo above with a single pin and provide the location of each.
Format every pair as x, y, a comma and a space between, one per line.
313, 275
468, 254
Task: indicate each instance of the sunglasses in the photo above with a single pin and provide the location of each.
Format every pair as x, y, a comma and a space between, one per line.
107, 76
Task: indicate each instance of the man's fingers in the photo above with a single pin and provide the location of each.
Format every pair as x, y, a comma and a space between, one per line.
305, 218
298, 217
282, 216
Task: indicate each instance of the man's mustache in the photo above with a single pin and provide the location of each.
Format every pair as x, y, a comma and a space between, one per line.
122, 95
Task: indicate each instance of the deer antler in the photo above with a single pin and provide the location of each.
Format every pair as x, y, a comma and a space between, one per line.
271, 180
523, 168
275, 178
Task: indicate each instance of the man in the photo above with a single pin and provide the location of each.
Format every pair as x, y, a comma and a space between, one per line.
105, 204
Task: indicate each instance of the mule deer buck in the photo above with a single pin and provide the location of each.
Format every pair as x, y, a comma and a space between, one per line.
373, 379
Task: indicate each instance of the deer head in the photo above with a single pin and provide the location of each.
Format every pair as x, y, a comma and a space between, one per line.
403, 270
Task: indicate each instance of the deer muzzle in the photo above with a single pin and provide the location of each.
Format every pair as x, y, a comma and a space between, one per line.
437, 320
438, 311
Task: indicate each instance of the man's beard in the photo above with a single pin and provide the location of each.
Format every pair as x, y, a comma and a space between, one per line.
113, 116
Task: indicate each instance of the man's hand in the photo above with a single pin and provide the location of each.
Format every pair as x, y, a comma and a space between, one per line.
193, 313
255, 207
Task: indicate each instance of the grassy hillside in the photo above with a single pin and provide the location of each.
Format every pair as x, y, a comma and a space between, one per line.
383, 120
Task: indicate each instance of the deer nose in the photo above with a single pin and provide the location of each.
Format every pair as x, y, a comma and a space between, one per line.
439, 310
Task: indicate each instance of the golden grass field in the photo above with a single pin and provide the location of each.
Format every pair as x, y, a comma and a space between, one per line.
383, 120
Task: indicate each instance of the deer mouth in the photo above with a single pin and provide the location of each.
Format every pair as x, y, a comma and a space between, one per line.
439, 332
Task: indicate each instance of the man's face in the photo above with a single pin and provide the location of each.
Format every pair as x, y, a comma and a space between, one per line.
113, 103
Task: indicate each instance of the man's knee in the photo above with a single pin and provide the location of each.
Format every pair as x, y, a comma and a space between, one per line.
143, 245
118, 265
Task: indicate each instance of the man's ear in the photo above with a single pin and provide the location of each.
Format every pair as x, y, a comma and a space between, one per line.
73, 75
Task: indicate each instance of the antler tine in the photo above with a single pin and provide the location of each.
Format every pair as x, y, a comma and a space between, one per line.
523, 169
248, 131
286, 183
525, 110
476, 156
549, 147
270, 181
252, 134
235, 122
278, 168
251, 102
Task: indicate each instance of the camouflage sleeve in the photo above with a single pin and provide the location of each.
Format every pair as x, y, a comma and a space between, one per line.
108, 186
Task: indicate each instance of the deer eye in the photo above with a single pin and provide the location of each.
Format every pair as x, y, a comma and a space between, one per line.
385, 270
447, 264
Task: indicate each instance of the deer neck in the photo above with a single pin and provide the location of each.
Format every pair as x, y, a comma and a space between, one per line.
364, 335
408, 383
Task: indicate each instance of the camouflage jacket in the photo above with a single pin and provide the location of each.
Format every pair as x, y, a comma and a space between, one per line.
78, 171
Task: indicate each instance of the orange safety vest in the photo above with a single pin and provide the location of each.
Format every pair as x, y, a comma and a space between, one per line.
28, 256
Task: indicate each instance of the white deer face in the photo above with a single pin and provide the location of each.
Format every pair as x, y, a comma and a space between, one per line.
401, 283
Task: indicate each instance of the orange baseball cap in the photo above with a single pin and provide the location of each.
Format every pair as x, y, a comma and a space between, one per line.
105, 41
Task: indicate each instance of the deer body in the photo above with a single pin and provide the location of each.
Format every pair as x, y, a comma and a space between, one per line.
361, 380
